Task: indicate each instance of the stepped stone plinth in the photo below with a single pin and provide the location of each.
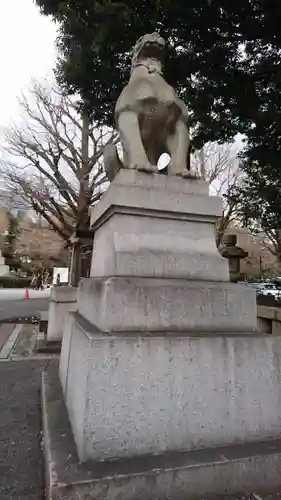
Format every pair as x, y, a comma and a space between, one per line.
166, 380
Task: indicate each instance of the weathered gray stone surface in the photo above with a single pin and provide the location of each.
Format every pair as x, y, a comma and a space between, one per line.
157, 226
133, 395
149, 246
66, 341
210, 474
146, 305
132, 177
176, 198
63, 299
163, 353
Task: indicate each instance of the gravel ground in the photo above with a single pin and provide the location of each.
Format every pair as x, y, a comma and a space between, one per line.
21, 465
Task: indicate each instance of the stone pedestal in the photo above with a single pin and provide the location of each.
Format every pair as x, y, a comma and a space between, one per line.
133, 395
63, 299
4, 270
155, 226
163, 355
144, 366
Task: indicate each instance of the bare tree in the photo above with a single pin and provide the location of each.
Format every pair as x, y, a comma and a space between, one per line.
219, 166
38, 244
54, 161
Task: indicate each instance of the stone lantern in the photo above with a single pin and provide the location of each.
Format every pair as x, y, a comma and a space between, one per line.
234, 254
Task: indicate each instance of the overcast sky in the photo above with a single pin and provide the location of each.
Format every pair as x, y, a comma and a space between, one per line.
27, 41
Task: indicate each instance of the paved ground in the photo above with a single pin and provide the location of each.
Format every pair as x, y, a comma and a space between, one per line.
21, 459
5, 332
19, 293
11, 308
21, 466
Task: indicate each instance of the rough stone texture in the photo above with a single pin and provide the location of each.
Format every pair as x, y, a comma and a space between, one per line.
207, 473
132, 177
138, 190
166, 232
130, 395
186, 368
145, 245
21, 464
141, 305
154, 246
65, 349
63, 299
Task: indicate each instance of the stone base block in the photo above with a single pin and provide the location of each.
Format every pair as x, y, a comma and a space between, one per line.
207, 473
63, 299
157, 226
130, 396
4, 270
171, 305
45, 347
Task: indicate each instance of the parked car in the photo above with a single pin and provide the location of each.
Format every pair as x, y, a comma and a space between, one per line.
258, 286
270, 290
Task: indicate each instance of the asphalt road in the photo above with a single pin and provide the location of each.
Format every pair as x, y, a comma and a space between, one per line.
21, 464
14, 305
19, 293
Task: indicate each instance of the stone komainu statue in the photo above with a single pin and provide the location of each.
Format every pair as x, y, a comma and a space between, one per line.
150, 118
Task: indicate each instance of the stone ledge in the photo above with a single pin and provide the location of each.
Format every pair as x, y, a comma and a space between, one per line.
63, 294
121, 304
155, 245
91, 332
172, 195
45, 347
266, 312
174, 476
160, 182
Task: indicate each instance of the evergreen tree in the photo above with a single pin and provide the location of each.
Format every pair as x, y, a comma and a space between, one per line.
219, 55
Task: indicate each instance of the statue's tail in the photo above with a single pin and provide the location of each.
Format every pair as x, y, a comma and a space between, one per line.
112, 162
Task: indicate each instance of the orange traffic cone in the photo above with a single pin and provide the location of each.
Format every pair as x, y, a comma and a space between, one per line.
26, 295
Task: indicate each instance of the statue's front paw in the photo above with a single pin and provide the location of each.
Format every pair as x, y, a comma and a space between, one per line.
187, 174
149, 169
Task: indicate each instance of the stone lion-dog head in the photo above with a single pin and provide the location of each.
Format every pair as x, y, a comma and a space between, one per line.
149, 46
